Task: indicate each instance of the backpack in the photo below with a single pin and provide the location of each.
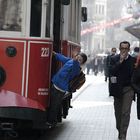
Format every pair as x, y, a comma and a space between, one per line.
77, 82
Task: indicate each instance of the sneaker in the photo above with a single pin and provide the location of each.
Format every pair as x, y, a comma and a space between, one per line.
70, 106
51, 125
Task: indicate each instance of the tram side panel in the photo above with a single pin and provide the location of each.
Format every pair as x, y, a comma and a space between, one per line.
25, 92
13, 61
39, 73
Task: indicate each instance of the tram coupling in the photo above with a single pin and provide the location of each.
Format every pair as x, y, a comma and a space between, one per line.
8, 129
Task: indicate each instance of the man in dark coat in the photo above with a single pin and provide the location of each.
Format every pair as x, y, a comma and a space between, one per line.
121, 70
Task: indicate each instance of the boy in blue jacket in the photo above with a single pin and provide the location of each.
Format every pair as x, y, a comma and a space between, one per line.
60, 82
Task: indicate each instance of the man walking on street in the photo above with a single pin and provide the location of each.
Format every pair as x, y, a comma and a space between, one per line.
107, 62
121, 69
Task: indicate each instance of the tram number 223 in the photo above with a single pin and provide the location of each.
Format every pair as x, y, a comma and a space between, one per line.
44, 52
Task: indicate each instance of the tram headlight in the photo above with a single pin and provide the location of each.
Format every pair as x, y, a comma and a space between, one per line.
11, 51
2, 76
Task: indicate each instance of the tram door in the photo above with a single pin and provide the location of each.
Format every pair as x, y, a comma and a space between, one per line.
41, 18
39, 75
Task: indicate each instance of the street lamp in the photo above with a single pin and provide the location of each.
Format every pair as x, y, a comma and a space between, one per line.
130, 9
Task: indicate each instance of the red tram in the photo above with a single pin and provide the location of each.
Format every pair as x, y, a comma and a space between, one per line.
29, 31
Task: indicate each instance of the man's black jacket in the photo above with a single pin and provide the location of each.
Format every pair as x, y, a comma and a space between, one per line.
123, 73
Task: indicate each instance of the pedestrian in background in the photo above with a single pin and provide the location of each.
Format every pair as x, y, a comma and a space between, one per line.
107, 62
88, 65
136, 84
121, 70
96, 65
135, 52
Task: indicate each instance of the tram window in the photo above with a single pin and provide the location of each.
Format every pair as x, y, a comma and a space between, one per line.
35, 23
10, 15
74, 21
48, 18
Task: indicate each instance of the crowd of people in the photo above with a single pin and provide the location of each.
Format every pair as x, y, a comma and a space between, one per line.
122, 72
95, 64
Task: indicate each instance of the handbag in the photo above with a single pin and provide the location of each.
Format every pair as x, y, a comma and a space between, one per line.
115, 89
77, 82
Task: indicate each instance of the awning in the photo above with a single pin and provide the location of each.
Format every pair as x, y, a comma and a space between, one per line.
134, 30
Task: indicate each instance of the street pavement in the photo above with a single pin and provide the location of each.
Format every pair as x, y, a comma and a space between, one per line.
92, 115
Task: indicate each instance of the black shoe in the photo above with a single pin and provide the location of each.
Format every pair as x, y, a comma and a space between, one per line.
121, 137
70, 106
64, 116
